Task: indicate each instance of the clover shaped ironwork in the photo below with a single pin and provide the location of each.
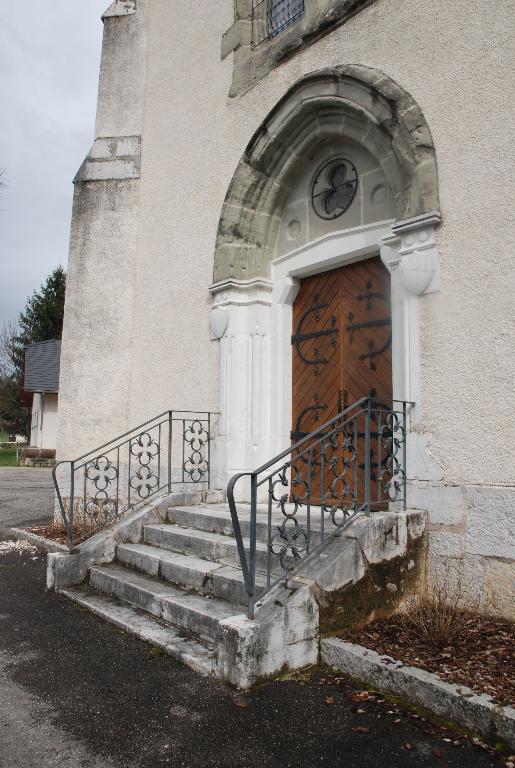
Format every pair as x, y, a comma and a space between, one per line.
101, 510
393, 436
339, 514
289, 543
102, 472
195, 465
145, 448
144, 481
340, 454
196, 435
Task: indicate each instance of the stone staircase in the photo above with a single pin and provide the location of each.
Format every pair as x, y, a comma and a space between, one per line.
176, 587
171, 576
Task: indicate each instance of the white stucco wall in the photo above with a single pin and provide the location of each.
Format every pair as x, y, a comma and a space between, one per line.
35, 420
137, 318
43, 427
194, 136
96, 365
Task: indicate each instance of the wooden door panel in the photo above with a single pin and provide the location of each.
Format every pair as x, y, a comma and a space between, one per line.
367, 343
317, 352
341, 352
367, 357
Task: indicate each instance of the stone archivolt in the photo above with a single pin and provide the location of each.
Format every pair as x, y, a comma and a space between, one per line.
349, 102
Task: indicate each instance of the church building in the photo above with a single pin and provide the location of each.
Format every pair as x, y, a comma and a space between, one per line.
297, 213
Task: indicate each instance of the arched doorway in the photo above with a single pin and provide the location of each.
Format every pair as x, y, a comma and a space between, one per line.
342, 171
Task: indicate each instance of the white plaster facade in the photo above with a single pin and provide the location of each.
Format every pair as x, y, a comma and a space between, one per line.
146, 329
43, 424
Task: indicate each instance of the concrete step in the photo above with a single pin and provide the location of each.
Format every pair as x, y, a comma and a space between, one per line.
190, 611
193, 653
204, 576
218, 520
210, 546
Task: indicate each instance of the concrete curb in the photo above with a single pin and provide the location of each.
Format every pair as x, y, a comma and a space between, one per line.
47, 545
423, 689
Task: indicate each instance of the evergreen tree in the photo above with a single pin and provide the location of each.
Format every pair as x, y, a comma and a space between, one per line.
41, 320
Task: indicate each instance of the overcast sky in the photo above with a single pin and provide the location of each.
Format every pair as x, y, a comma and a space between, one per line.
49, 63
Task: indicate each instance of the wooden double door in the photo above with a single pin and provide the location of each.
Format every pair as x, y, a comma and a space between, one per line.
341, 344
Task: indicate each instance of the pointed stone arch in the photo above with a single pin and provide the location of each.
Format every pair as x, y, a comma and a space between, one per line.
351, 101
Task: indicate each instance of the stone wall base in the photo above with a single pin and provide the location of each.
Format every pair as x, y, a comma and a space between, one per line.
471, 537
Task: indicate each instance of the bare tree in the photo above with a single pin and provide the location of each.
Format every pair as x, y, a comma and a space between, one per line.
7, 336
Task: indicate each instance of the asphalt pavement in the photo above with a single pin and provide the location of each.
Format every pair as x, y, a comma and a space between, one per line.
75, 692
26, 497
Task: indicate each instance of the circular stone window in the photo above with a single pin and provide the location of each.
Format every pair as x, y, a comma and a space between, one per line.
334, 188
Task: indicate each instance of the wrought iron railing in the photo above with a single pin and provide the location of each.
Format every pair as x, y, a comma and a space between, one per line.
100, 487
354, 463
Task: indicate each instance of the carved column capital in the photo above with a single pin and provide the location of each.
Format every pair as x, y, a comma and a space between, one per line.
412, 249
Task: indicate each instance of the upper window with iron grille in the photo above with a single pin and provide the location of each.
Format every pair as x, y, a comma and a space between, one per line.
270, 17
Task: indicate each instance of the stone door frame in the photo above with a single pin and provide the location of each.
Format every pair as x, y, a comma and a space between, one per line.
252, 319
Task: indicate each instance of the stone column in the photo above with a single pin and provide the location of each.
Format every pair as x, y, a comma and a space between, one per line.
242, 325
411, 255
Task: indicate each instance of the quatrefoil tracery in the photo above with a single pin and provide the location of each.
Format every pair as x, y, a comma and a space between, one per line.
334, 188
144, 481
102, 472
144, 448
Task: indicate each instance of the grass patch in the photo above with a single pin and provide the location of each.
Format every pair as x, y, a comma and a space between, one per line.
4, 437
8, 457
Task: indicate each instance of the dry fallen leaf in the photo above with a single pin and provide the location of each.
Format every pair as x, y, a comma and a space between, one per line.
477, 660
361, 729
329, 700
437, 752
361, 695
409, 745
240, 702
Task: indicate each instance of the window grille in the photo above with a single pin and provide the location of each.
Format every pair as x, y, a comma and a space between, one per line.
270, 17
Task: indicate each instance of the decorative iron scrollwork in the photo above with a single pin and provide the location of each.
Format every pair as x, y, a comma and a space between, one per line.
145, 478
196, 437
339, 455
299, 336
101, 511
106, 484
333, 492
290, 540
393, 435
144, 481
102, 472
384, 322
315, 410
145, 448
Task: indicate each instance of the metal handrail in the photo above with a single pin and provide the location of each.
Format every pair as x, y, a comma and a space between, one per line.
106, 483
320, 439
